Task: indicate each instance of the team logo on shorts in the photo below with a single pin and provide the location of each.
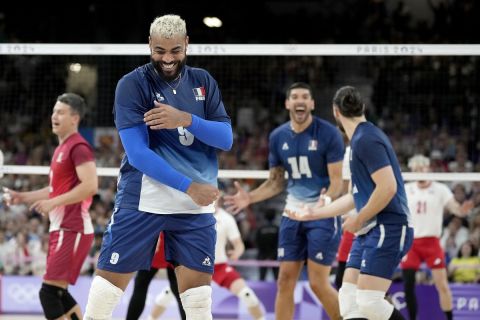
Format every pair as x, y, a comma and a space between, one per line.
319, 256
207, 262
281, 252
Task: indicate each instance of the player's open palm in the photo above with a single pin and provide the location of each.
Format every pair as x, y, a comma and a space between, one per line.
235, 203
164, 116
466, 207
203, 194
11, 197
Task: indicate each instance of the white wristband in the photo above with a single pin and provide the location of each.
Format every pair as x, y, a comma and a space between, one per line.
326, 199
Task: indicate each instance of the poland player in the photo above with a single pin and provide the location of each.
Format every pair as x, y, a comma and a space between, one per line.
427, 201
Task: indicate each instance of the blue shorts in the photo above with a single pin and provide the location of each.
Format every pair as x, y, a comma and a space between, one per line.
315, 240
379, 251
131, 237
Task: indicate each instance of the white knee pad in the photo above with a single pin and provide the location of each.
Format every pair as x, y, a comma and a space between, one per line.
347, 300
164, 298
102, 299
248, 297
373, 305
197, 303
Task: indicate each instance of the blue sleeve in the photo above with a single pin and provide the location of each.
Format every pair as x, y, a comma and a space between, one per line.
273, 158
140, 156
214, 133
336, 147
130, 102
372, 153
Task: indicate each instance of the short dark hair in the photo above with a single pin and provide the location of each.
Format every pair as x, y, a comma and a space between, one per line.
349, 102
301, 85
76, 103
474, 252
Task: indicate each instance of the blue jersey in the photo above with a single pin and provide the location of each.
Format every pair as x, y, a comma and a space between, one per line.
198, 94
371, 150
305, 156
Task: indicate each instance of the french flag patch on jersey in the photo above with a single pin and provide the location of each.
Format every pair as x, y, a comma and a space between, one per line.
199, 93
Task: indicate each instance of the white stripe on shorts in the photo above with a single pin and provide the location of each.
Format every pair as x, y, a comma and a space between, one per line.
402, 238
382, 236
60, 240
77, 242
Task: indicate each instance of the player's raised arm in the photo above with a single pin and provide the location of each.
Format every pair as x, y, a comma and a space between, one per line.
269, 188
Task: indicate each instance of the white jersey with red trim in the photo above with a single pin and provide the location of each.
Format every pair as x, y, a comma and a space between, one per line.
426, 206
227, 230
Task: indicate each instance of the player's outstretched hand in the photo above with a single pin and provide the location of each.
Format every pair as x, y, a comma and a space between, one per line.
203, 194
466, 207
164, 116
235, 203
11, 197
306, 213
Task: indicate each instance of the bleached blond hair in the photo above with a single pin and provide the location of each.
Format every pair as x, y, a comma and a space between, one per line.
168, 26
418, 160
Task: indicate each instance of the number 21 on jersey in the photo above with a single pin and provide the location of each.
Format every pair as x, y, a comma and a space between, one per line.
299, 166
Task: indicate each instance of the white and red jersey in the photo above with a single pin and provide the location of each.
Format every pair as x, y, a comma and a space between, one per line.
227, 230
426, 207
74, 151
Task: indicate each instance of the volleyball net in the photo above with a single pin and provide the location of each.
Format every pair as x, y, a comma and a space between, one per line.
425, 97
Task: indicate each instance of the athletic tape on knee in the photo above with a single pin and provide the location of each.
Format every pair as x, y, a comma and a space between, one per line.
347, 301
248, 297
373, 305
197, 303
164, 298
102, 299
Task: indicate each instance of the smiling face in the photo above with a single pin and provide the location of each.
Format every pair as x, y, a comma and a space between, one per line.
300, 104
168, 55
64, 120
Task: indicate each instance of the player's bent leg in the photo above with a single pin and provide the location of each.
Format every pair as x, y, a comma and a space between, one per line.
248, 297
195, 293
318, 275
347, 295
373, 305
287, 280
51, 301
71, 307
371, 298
105, 293
408, 276
197, 303
162, 300
445, 295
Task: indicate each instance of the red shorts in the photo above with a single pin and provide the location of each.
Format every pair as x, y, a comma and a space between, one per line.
224, 275
345, 246
67, 251
158, 261
424, 249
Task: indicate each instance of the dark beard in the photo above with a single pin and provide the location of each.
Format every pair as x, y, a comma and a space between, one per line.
157, 66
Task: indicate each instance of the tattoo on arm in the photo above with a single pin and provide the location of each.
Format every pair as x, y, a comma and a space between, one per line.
276, 179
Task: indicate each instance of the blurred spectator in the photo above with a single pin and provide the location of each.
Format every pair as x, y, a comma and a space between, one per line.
453, 236
466, 266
